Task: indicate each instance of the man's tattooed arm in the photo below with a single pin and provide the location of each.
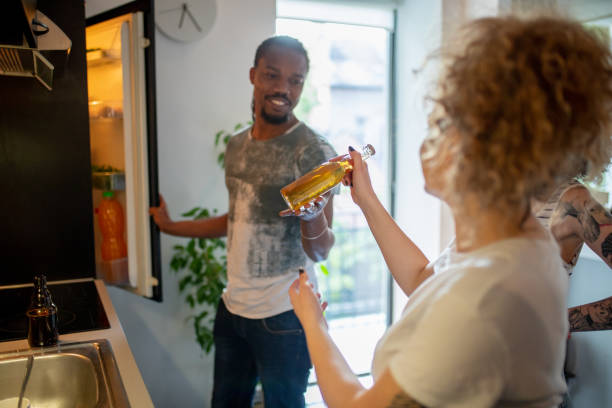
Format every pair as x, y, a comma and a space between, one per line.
592, 316
403, 400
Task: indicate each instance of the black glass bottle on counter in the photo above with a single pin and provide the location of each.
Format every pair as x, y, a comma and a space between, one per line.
42, 315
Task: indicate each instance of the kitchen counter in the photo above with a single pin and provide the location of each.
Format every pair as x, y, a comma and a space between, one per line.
130, 374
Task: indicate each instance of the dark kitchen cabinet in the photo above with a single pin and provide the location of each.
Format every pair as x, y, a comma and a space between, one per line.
45, 162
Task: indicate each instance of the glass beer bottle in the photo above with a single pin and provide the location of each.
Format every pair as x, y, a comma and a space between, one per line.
320, 180
42, 315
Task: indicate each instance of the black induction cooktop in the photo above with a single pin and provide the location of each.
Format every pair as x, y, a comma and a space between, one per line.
79, 309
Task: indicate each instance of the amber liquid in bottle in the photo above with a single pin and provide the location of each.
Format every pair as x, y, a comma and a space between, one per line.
319, 180
42, 327
42, 315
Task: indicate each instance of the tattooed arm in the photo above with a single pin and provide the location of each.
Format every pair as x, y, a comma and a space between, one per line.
578, 215
591, 223
592, 316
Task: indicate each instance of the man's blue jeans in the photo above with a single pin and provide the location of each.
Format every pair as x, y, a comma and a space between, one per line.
272, 350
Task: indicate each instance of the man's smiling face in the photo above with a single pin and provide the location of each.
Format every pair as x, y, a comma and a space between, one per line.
277, 81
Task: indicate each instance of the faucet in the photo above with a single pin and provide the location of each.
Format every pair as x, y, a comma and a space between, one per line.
42, 315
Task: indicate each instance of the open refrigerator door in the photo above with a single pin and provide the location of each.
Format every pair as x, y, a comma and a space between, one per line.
119, 152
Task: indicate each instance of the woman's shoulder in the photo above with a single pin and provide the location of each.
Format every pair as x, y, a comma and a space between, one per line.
510, 260
506, 249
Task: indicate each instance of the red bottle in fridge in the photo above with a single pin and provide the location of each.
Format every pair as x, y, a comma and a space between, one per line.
111, 222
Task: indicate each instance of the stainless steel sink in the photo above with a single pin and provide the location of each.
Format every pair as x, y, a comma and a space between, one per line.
68, 375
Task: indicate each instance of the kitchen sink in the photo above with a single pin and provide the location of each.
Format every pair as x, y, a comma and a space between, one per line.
82, 375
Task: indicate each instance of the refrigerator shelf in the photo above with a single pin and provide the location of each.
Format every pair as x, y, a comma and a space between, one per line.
96, 58
108, 180
105, 118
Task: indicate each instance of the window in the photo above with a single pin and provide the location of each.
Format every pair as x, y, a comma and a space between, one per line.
346, 98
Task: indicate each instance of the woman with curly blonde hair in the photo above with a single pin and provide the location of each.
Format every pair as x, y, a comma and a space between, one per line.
521, 108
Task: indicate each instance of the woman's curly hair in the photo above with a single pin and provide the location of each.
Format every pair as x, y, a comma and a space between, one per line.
532, 103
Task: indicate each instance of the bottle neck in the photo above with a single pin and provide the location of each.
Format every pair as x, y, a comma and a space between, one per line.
366, 152
41, 297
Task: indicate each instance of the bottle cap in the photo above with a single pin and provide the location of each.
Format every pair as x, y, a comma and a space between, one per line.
108, 194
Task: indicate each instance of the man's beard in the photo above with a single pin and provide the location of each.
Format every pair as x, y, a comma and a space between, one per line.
274, 120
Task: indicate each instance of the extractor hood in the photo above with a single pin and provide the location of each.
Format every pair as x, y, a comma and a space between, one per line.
31, 45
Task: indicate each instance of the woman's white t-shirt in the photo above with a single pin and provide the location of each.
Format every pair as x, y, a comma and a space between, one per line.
488, 328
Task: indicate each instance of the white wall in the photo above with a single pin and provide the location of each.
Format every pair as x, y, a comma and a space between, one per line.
418, 34
202, 87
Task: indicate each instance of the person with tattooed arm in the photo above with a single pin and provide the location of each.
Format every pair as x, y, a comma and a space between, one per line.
485, 324
575, 218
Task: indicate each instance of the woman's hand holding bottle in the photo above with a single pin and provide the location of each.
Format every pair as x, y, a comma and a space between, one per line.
359, 180
307, 195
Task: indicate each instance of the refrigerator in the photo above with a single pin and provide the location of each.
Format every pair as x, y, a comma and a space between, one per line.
123, 152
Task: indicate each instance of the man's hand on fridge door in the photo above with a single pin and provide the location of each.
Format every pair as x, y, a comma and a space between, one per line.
160, 214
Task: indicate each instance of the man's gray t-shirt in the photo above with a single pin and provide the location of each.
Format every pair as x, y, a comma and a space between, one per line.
264, 250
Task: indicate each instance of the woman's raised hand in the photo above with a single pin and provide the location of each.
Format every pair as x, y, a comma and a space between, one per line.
359, 180
306, 304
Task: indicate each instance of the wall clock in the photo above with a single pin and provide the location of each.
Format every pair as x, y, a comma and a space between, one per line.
185, 20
